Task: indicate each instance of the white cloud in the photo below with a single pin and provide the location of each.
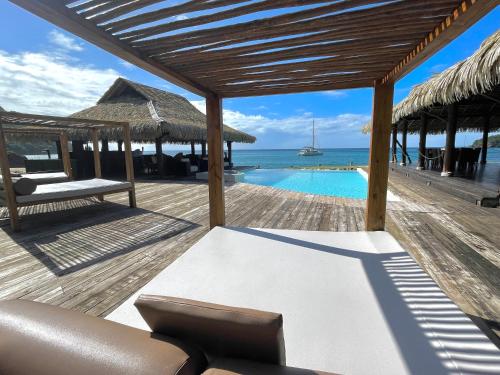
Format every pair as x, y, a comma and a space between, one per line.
336, 93
181, 17
127, 65
46, 83
299, 125
64, 41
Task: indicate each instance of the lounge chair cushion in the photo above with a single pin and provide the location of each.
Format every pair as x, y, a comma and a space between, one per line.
229, 366
22, 185
47, 177
41, 339
221, 331
73, 190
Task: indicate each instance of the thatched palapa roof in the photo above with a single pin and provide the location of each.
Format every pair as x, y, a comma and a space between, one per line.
153, 113
473, 84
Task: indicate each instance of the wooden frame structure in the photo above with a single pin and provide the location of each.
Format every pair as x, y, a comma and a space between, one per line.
283, 46
22, 123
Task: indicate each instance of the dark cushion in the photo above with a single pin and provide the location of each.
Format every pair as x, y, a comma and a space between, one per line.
40, 339
227, 366
221, 331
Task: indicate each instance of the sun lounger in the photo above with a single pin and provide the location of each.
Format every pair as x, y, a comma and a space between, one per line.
72, 190
352, 303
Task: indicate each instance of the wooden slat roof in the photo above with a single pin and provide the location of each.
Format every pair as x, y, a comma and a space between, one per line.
31, 122
238, 48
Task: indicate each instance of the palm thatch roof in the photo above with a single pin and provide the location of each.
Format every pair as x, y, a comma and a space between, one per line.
473, 84
153, 113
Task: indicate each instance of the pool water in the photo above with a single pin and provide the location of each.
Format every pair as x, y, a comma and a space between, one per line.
348, 184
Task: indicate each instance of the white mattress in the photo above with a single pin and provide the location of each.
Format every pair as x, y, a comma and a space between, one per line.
353, 303
47, 178
72, 189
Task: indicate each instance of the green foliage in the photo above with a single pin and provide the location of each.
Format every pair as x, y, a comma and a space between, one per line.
493, 141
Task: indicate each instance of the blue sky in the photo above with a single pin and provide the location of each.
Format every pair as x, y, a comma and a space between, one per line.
45, 70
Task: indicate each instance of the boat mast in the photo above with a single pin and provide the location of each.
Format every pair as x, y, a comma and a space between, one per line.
313, 134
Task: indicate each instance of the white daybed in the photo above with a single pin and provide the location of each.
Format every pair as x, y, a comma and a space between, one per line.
73, 190
352, 303
48, 189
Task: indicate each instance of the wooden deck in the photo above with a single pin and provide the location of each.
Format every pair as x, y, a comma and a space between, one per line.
93, 256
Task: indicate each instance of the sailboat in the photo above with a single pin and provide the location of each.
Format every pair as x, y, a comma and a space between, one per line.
310, 150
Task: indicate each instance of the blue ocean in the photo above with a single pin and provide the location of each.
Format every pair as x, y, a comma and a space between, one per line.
335, 157
272, 159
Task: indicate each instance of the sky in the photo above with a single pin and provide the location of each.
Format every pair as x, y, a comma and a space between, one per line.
46, 70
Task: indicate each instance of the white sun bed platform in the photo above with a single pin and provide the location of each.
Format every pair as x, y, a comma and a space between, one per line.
72, 190
353, 303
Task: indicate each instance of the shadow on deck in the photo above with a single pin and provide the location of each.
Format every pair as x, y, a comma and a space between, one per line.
94, 237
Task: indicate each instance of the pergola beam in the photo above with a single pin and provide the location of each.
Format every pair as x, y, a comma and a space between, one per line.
464, 16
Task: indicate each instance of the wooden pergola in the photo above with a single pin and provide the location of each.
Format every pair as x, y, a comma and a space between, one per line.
29, 124
298, 46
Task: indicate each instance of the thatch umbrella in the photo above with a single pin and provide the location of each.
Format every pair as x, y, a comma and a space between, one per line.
153, 114
473, 83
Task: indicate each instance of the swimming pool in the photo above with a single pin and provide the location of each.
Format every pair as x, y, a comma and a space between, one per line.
348, 184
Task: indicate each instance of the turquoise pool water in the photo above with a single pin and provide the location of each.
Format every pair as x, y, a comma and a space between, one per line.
348, 184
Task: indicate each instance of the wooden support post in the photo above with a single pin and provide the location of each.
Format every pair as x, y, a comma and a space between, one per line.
97, 158
159, 156
394, 152
66, 160
58, 148
421, 143
10, 195
120, 146
486, 130
215, 160
403, 145
230, 152
104, 145
203, 149
193, 152
379, 156
451, 131
129, 165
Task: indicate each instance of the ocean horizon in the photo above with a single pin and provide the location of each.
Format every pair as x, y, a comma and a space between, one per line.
286, 158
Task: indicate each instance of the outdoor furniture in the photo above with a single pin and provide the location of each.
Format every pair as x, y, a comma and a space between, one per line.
71, 190
42, 339
352, 303
23, 123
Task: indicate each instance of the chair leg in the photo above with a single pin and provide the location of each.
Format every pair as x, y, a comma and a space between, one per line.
131, 199
14, 221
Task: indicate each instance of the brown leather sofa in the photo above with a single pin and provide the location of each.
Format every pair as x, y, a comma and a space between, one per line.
188, 338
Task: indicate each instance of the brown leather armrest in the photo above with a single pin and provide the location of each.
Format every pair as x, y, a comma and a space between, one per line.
221, 331
40, 339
